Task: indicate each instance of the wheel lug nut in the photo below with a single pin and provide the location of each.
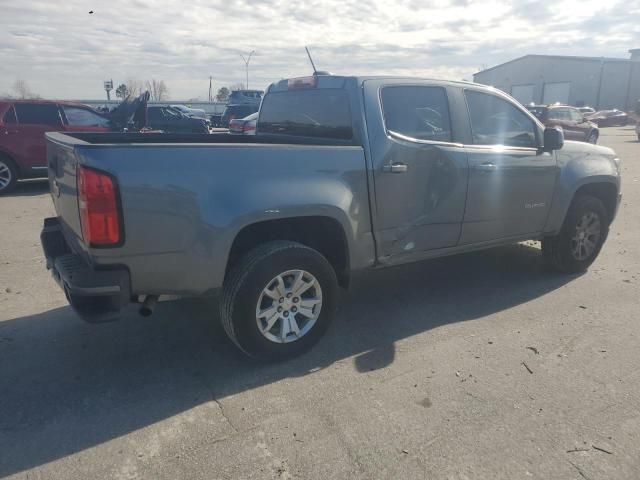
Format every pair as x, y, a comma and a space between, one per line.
281, 299
288, 295
279, 309
286, 314
295, 300
294, 309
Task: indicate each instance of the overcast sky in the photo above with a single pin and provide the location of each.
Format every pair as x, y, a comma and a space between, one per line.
62, 51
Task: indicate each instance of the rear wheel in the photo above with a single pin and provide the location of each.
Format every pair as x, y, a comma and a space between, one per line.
593, 138
582, 235
278, 300
8, 175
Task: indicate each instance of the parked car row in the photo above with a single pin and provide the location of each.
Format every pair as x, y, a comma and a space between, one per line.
172, 120
574, 124
244, 126
579, 123
609, 118
23, 124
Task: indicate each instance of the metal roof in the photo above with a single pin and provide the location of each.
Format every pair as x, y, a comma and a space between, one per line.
557, 57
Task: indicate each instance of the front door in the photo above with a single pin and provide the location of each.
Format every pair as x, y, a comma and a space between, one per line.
511, 180
561, 117
420, 174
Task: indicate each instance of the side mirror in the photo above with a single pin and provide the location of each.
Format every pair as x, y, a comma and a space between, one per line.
553, 138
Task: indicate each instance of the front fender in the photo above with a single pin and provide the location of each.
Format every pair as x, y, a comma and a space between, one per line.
580, 164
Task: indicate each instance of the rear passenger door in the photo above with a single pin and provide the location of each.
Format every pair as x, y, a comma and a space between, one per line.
511, 180
419, 171
34, 119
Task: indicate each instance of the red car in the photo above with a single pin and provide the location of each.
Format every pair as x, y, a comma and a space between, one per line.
22, 127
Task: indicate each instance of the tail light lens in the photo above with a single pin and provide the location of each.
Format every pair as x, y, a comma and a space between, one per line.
98, 205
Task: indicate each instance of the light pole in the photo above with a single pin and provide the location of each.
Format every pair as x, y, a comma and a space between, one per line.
246, 64
108, 86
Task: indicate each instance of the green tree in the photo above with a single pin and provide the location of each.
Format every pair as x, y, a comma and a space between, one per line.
122, 91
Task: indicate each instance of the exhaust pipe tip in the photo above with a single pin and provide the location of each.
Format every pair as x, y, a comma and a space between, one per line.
148, 305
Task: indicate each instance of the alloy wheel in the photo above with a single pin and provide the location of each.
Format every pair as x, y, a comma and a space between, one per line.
586, 238
289, 306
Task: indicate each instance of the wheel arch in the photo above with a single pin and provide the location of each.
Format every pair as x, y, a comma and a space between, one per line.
605, 191
323, 233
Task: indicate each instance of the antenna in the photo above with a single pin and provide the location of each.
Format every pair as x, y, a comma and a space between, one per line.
311, 60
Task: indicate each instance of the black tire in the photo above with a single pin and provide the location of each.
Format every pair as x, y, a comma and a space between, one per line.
593, 138
245, 284
8, 171
558, 250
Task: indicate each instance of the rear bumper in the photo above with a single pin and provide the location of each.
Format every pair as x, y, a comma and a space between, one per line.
96, 295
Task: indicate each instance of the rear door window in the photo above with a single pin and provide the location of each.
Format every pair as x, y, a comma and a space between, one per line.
418, 112
317, 113
561, 114
9, 117
576, 116
38, 114
494, 121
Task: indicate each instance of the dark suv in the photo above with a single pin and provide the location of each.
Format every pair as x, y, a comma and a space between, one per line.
573, 122
171, 120
22, 127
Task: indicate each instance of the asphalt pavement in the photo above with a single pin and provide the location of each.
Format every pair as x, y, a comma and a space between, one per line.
479, 366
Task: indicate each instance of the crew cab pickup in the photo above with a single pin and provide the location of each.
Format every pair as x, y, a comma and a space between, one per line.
345, 174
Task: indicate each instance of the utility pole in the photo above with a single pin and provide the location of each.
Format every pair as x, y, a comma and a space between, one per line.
246, 64
210, 92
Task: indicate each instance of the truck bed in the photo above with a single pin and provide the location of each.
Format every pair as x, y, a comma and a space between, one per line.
185, 197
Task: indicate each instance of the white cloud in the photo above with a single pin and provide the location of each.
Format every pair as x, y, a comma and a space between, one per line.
63, 51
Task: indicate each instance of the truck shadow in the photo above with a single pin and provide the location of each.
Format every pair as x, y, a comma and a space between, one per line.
30, 188
67, 386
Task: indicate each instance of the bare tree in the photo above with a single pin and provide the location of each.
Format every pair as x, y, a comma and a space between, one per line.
23, 90
134, 87
158, 89
237, 86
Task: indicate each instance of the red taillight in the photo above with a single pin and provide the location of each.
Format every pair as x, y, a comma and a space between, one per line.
249, 127
302, 82
98, 204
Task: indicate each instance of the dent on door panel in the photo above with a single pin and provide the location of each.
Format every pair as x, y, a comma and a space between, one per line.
423, 208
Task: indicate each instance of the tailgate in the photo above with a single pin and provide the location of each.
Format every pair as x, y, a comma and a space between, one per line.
62, 165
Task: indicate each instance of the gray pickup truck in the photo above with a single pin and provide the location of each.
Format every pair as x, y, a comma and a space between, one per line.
345, 174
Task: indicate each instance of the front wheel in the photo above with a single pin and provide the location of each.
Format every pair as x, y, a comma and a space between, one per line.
278, 301
581, 237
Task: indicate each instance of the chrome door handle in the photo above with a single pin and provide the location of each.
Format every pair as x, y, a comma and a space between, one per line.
395, 168
488, 167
